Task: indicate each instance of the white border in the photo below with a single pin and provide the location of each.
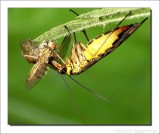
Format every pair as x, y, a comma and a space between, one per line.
5, 128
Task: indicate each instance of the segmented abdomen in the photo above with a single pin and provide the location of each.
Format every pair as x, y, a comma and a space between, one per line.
84, 56
99, 45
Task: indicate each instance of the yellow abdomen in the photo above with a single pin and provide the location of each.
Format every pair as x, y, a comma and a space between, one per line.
99, 45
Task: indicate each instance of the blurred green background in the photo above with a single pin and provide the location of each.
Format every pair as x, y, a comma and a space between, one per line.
123, 77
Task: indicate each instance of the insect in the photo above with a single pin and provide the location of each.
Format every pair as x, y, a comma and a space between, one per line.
40, 56
82, 56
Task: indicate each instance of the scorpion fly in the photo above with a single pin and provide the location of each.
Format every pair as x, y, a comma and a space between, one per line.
82, 56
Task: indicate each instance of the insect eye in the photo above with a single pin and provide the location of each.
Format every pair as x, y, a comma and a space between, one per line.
53, 46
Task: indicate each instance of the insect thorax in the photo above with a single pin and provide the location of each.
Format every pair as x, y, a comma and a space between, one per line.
77, 60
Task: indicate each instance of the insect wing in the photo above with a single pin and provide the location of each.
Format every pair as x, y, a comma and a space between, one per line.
126, 31
62, 51
37, 72
123, 36
30, 51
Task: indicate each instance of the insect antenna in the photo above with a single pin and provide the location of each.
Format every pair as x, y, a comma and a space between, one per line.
122, 20
74, 101
91, 91
84, 31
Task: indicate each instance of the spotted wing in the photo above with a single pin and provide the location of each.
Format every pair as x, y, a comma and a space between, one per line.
30, 51
37, 72
62, 51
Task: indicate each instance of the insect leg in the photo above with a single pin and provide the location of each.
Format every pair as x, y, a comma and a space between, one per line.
111, 33
75, 39
74, 101
84, 31
62, 50
81, 44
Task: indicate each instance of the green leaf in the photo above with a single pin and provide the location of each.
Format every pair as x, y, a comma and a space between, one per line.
98, 17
